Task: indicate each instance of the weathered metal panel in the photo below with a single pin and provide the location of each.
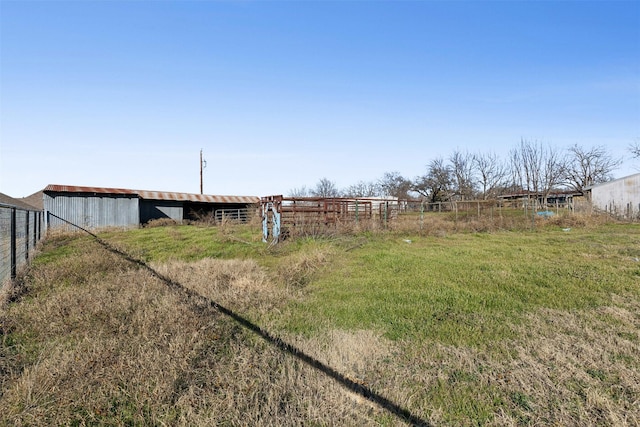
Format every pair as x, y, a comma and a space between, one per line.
620, 197
91, 211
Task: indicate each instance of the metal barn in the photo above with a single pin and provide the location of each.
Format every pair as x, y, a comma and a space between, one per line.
95, 207
620, 197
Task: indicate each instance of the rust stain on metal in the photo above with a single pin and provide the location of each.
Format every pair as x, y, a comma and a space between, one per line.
79, 189
155, 195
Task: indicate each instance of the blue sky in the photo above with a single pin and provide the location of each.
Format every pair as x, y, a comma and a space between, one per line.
280, 94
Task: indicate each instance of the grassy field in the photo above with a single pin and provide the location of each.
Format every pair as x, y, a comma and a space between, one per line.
507, 328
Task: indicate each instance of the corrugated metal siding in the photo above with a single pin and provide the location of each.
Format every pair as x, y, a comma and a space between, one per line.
96, 207
155, 209
91, 212
620, 197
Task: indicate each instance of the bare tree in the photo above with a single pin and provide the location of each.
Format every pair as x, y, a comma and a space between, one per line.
395, 185
537, 168
325, 188
634, 149
554, 171
362, 189
436, 184
299, 192
588, 167
492, 173
462, 174
518, 180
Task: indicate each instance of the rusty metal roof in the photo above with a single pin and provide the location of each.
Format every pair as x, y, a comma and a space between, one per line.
154, 195
189, 197
79, 189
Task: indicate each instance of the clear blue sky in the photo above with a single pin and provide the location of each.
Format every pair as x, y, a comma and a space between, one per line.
279, 94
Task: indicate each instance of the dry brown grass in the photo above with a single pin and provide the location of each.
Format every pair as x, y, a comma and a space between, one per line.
565, 369
11, 290
238, 284
110, 343
442, 224
572, 370
160, 222
582, 220
299, 268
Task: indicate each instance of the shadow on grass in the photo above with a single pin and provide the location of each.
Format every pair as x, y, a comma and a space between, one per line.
198, 301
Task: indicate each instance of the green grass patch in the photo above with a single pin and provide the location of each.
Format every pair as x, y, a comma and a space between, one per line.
467, 289
189, 242
58, 247
463, 289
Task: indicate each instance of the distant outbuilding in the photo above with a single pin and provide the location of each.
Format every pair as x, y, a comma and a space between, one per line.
620, 197
97, 207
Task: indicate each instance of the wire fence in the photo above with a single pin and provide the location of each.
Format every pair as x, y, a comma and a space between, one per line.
284, 217
489, 209
20, 231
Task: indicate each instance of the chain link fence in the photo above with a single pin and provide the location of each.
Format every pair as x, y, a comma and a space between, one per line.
20, 231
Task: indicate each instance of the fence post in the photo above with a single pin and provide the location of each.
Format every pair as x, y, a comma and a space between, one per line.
356, 211
265, 221
455, 207
13, 243
34, 232
26, 235
386, 207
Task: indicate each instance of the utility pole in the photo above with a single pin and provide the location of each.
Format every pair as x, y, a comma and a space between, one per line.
201, 167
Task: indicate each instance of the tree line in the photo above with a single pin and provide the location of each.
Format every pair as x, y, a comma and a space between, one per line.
530, 168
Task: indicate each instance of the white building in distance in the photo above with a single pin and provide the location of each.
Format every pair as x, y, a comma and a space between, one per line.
620, 197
